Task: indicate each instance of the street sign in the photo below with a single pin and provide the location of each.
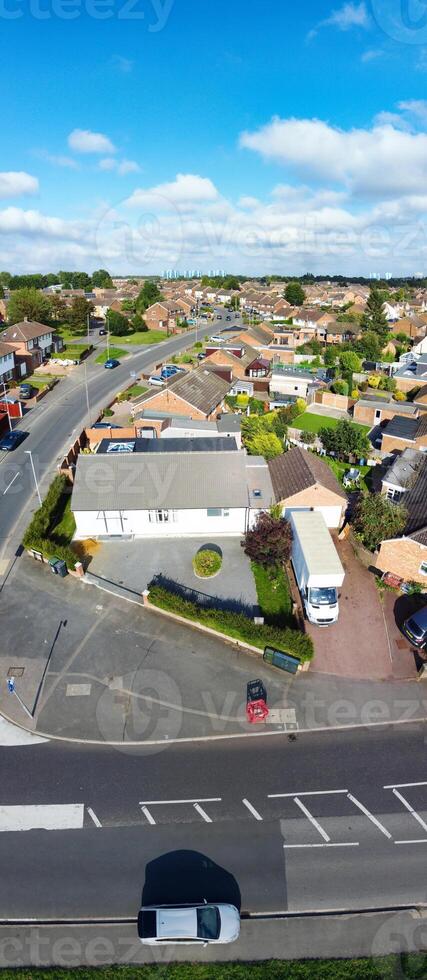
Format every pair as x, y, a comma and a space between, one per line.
11, 685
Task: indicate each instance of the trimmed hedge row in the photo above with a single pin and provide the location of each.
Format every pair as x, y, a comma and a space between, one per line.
37, 537
234, 624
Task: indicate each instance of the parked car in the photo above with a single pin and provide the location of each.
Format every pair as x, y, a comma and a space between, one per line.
12, 440
25, 391
112, 363
200, 924
228, 317
415, 628
106, 425
219, 316
156, 380
103, 332
216, 339
201, 356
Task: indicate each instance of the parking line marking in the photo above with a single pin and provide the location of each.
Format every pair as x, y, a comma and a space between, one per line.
312, 819
94, 817
210, 799
61, 816
10, 484
421, 840
403, 785
252, 810
408, 806
149, 815
317, 792
346, 844
370, 816
202, 812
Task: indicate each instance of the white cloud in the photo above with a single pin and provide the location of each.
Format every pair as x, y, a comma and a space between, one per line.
371, 55
84, 141
17, 221
57, 160
185, 191
380, 161
415, 107
122, 167
345, 18
124, 65
14, 183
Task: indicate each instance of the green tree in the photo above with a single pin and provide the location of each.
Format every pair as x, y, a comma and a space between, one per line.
376, 519
30, 303
345, 440
294, 294
330, 356
1, 292
340, 387
102, 279
58, 307
265, 444
269, 542
149, 294
118, 324
374, 319
5, 278
138, 324
78, 313
369, 346
350, 362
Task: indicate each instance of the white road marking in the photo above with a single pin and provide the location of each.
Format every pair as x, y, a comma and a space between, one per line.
94, 817
312, 819
296, 846
67, 816
252, 810
420, 840
149, 815
370, 816
10, 484
202, 812
403, 785
210, 799
408, 806
11, 734
318, 792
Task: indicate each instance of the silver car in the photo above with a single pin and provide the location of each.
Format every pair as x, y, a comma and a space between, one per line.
188, 924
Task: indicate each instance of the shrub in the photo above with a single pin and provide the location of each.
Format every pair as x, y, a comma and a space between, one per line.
207, 563
269, 541
308, 438
108, 413
234, 624
399, 396
377, 519
36, 536
355, 393
340, 387
374, 380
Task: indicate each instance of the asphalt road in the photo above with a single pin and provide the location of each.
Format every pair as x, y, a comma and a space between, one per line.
53, 424
204, 821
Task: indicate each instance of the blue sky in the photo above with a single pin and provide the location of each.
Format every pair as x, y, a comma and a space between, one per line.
252, 136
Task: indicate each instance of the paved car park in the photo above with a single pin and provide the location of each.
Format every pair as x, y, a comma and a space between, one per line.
133, 564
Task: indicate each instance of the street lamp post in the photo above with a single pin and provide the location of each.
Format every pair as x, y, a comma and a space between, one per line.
29, 453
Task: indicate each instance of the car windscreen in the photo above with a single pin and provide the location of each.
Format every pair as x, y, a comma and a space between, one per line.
323, 597
415, 628
208, 922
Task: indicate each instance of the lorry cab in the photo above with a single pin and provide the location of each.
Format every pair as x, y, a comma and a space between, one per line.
321, 605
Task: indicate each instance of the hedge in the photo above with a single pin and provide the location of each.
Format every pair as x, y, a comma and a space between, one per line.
37, 537
234, 624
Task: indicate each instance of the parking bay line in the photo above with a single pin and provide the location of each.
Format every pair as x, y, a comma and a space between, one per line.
252, 810
403, 785
300, 846
10, 484
370, 816
202, 812
94, 817
317, 792
312, 820
410, 808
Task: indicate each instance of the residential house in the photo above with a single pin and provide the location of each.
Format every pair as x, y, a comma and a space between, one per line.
31, 341
162, 316
337, 332
302, 481
292, 338
169, 494
312, 318
293, 381
412, 374
198, 394
7, 363
401, 432
412, 326
406, 482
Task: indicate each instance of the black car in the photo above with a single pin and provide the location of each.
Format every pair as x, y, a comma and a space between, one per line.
25, 391
415, 628
102, 332
12, 439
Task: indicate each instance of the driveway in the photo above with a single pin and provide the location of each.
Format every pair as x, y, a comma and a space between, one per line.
357, 645
327, 411
134, 564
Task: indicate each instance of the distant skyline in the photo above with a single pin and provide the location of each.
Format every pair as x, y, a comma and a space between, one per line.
143, 135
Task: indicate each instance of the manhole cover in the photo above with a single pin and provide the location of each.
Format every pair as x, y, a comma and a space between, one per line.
15, 671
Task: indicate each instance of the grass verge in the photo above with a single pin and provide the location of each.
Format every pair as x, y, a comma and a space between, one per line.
274, 596
408, 965
113, 352
140, 337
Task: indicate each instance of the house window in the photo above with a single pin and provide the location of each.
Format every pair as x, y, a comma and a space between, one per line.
214, 512
395, 495
423, 568
161, 516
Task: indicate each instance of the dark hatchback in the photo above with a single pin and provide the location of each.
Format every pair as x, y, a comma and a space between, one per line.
12, 440
415, 628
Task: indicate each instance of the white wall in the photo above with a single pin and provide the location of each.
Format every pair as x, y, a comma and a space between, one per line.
91, 524
289, 386
331, 515
7, 364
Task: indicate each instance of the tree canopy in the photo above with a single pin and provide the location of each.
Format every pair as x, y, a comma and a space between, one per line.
30, 303
269, 542
374, 319
118, 324
78, 313
102, 279
149, 294
294, 294
376, 519
345, 440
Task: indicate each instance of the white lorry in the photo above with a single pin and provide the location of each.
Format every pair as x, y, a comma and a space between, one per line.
318, 570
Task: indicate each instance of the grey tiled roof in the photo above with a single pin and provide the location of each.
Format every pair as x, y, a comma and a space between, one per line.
26, 330
171, 481
202, 389
415, 501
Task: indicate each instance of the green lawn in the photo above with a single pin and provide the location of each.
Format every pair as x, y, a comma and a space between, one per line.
340, 469
146, 337
72, 353
409, 965
66, 333
274, 597
115, 352
40, 382
65, 527
132, 392
309, 422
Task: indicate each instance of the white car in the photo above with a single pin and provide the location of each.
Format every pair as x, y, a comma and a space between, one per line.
188, 924
156, 380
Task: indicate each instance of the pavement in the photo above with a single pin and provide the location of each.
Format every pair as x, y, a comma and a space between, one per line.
365, 642
134, 564
327, 411
90, 665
